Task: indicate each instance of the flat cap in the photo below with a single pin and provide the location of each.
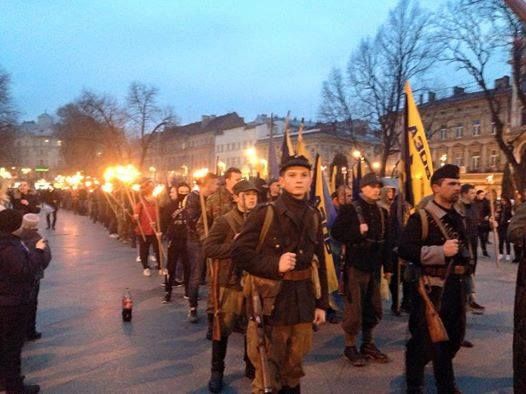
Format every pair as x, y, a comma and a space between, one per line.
295, 161
446, 171
370, 179
244, 186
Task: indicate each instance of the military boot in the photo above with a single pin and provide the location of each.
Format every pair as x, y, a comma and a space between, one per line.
354, 356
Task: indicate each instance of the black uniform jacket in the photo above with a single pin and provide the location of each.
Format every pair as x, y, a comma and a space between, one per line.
288, 233
430, 251
365, 252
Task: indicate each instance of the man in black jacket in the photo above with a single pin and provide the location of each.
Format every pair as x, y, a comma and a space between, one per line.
435, 241
362, 227
174, 227
280, 265
18, 267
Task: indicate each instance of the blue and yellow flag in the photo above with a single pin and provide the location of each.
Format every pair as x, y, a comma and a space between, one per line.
416, 162
324, 204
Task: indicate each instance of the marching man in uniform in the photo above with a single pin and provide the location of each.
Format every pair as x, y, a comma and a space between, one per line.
227, 294
281, 249
435, 241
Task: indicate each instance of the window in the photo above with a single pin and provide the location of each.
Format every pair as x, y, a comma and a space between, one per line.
459, 131
476, 128
475, 162
459, 160
443, 133
493, 158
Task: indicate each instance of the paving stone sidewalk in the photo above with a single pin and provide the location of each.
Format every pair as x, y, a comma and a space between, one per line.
86, 348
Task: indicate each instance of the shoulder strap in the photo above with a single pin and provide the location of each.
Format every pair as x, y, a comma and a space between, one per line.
359, 212
425, 223
439, 223
382, 220
269, 217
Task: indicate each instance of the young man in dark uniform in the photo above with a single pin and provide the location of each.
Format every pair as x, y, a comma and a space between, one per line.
435, 241
217, 247
280, 261
362, 227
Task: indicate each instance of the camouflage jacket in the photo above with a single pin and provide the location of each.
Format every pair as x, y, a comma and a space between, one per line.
218, 204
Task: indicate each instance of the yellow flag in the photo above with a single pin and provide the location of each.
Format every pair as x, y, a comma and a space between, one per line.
301, 149
417, 164
323, 204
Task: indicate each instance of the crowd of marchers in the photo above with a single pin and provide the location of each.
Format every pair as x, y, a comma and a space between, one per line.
258, 250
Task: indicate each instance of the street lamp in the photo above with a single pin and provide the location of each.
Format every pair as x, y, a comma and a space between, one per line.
443, 160
356, 154
376, 166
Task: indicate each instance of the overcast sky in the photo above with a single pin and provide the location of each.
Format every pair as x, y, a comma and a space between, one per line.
206, 57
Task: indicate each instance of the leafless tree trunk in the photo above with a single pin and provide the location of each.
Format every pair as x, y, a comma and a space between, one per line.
8, 119
402, 50
145, 115
473, 34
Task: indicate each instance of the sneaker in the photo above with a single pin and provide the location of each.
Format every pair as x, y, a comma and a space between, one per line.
146, 272
153, 259
508, 258
167, 299
501, 256
186, 297
370, 351
163, 272
192, 315
476, 309
354, 356
114, 235
138, 259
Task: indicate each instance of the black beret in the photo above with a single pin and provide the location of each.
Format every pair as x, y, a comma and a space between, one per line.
244, 186
295, 161
10, 220
446, 171
370, 179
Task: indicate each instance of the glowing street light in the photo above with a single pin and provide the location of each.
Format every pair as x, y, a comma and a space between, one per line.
376, 165
356, 154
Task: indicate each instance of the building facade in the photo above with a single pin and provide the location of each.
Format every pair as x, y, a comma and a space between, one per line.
38, 146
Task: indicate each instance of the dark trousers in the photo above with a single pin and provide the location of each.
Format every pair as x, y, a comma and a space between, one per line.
144, 250
12, 334
503, 240
195, 260
483, 233
51, 222
420, 350
177, 254
32, 312
394, 287
362, 305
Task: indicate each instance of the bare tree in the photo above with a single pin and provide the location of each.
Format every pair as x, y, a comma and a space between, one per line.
146, 116
91, 127
8, 119
474, 34
402, 50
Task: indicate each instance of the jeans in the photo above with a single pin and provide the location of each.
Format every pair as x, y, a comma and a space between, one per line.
195, 258
51, 223
177, 256
144, 250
